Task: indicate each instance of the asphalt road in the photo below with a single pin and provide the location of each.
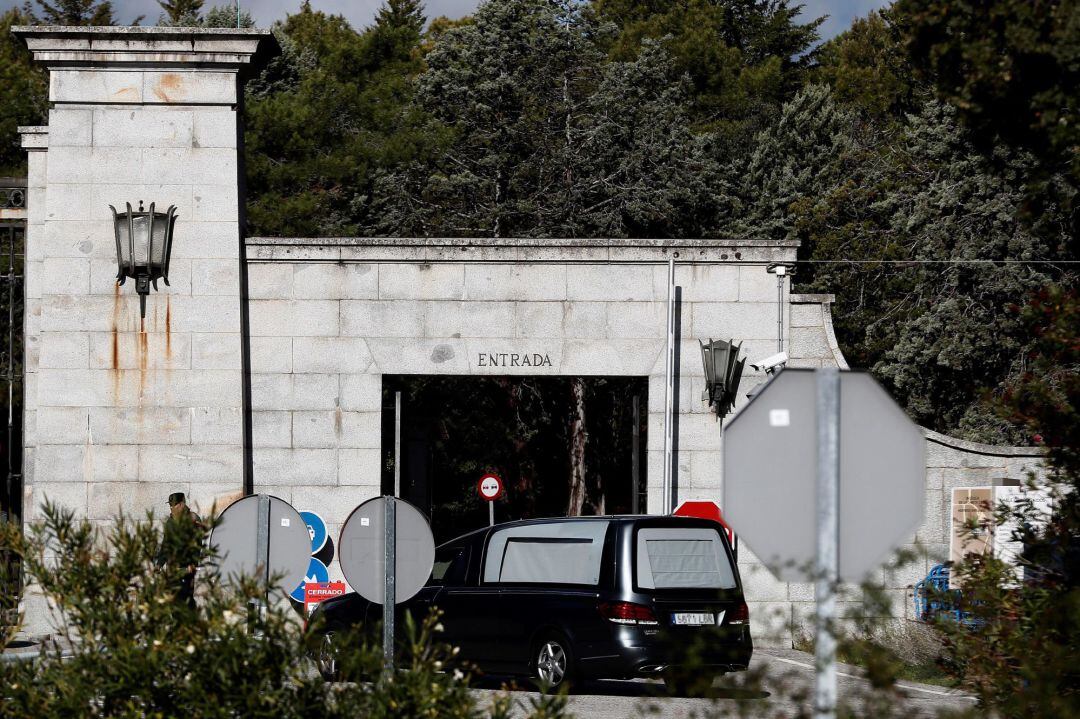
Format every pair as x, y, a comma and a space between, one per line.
785, 690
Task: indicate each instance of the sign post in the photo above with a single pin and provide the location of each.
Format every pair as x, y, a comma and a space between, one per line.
828, 539
490, 488
386, 553
829, 440
390, 591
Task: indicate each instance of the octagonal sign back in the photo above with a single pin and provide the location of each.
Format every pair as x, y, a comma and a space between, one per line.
770, 474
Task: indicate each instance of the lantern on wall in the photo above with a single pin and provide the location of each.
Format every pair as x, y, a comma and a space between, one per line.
723, 370
143, 247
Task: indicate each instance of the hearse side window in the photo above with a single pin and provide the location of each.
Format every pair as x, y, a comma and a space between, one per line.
450, 566
556, 553
682, 558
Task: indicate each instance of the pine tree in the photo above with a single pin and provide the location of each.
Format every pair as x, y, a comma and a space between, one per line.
225, 16
402, 14
23, 93
181, 12
78, 12
744, 57
548, 139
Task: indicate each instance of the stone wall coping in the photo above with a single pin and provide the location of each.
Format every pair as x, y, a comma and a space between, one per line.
58, 45
980, 448
811, 299
34, 137
518, 250
515, 242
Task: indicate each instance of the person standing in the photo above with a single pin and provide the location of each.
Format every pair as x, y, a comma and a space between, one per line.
181, 546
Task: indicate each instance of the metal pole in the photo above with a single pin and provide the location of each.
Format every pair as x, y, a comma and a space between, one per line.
669, 370
828, 526
635, 458
491, 513
397, 443
262, 537
389, 589
262, 556
781, 271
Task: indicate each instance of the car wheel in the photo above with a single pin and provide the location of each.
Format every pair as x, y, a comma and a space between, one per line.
326, 658
553, 663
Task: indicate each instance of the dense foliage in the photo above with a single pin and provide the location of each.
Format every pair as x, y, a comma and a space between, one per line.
134, 651
23, 88
1020, 652
925, 158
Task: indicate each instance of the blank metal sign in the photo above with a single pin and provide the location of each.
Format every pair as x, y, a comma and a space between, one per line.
236, 540
362, 547
770, 481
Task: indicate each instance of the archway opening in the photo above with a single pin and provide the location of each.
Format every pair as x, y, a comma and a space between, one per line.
562, 446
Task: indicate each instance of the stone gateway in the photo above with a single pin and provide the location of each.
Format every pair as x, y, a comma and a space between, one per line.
260, 367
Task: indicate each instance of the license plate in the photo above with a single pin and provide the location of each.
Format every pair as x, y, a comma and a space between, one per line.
693, 618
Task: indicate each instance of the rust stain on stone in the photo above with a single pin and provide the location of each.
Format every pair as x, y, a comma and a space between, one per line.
337, 421
117, 307
143, 353
126, 93
168, 86
168, 328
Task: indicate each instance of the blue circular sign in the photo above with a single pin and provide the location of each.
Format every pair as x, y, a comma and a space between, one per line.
317, 572
316, 530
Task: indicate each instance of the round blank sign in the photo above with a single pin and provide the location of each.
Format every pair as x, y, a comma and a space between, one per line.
236, 539
361, 550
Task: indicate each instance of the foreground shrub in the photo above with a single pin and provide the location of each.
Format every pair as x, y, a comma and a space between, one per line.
128, 648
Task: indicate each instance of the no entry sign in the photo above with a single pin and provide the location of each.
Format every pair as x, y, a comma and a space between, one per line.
490, 487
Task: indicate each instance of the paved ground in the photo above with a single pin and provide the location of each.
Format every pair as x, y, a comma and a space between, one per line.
785, 691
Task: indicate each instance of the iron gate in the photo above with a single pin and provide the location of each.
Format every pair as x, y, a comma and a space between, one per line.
12, 258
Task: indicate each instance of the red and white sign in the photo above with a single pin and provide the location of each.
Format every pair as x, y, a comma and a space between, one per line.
315, 592
490, 487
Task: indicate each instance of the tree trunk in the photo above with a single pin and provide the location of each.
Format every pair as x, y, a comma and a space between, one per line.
577, 449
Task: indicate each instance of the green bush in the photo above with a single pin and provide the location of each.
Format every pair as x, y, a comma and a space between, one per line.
127, 648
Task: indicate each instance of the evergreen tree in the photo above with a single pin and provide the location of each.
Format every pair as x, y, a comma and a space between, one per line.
407, 14
225, 16
181, 12
790, 163
505, 85
867, 67
919, 235
548, 140
1010, 67
322, 118
23, 93
78, 12
744, 57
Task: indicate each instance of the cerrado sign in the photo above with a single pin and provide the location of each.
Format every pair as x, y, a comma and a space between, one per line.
512, 359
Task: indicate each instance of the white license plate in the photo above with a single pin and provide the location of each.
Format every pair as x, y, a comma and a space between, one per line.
693, 618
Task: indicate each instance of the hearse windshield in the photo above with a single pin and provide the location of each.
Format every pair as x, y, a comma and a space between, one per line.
682, 558
555, 553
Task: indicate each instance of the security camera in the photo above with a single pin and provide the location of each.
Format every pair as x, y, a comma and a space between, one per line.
772, 363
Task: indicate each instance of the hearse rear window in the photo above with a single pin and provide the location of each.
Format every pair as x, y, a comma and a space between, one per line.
556, 553
682, 558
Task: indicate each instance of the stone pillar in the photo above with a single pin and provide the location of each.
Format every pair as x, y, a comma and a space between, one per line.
123, 411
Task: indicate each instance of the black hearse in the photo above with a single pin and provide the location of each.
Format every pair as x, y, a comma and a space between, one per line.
579, 598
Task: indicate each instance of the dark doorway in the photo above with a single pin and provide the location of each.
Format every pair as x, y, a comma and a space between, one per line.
562, 445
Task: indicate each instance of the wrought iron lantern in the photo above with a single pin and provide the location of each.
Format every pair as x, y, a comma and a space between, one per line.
143, 247
723, 370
